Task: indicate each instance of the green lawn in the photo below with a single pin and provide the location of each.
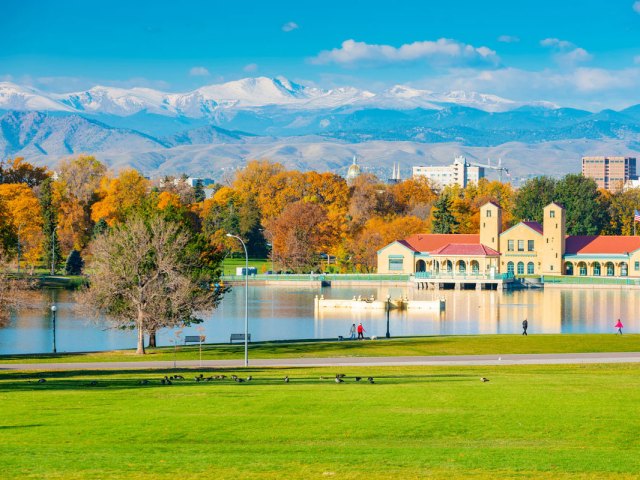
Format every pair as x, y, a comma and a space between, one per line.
548, 422
229, 264
439, 345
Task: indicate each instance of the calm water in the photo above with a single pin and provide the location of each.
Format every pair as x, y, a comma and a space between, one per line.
277, 313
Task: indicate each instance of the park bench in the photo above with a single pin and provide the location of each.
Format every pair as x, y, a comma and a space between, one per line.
239, 336
193, 339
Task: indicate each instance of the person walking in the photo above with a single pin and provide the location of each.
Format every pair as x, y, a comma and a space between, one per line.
361, 331
619, 326
352, 332
525, 325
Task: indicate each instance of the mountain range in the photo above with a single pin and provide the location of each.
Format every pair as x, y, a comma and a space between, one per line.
219, 127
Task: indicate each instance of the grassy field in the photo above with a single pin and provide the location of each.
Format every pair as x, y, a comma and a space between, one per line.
543, 422
411, 346
229, 264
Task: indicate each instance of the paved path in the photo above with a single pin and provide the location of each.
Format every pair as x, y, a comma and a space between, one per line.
452, 360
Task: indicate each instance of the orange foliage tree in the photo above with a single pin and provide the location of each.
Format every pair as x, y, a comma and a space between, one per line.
118, 196
26, 218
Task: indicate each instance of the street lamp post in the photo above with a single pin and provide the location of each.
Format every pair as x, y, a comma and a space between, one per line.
388, 310
246, 300
53, 311
19, 228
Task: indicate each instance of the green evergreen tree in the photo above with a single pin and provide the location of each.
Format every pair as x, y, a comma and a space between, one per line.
100, 227
51, 244
74, 264
443, 219
198, 191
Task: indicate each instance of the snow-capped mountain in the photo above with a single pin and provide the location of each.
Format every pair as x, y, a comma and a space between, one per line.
239, 95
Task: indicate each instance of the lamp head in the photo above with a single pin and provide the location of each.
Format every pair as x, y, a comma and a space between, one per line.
54, 308
229, 235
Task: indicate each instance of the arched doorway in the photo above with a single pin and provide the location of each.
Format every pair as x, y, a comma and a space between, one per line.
475, 267
421, 266
530, 268
568, 268
461, 267
520, 268
611, 271
448, 266
596, 269
510, 268
624, 269
582, 269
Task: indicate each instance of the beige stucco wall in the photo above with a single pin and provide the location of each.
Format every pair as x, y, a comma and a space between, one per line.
523, 233
408, 264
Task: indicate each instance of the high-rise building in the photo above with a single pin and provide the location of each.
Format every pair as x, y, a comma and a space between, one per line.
610, 173
460, 172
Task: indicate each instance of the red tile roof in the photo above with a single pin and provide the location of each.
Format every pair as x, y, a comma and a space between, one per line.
428, 242
459, 249
534, 226
601, 244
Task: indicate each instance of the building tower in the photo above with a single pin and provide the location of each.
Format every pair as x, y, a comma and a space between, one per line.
490, 225
353, 172
554, 235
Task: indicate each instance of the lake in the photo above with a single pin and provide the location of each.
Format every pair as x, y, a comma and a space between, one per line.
280, 313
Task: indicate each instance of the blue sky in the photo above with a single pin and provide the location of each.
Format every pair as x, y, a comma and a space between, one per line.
579, 53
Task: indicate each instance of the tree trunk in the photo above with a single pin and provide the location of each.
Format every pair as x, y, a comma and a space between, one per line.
140, 349
152, 339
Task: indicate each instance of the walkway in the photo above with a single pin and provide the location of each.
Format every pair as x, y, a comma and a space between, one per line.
453, 360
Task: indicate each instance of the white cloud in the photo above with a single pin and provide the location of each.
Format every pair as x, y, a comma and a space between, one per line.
252, 67
636, 6
290, 27
199, 72
443, 50
557, 43
508, 39
636, 59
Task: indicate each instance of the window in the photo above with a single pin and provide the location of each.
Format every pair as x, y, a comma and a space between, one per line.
510, 245
552, 214
624, 269
488, 213
636, 266
610, 269
531, 245
530, 268
510, 268
596, 269
520, 268
521, 245
395, 263
583, 269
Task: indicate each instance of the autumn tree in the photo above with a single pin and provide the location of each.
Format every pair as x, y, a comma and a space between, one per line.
118, 196
20, 171
75, 191
296, 236
149, 273
622, 207
26, 219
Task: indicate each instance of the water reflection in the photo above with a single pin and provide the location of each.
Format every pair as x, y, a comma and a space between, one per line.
277, 313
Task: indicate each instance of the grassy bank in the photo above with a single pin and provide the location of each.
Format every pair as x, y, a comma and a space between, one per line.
548, 422
412, 346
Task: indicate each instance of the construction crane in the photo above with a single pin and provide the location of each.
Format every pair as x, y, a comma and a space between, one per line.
499, 168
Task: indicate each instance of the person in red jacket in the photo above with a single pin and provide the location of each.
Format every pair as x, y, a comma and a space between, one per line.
361, 331
619, 327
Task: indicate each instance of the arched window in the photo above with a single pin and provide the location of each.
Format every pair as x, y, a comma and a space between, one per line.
475, 267
421, 266
624, 269
596, 269
568, 268
582, 268
448, 266
510, 268
530, 268
610, 269
462, 266
520, 268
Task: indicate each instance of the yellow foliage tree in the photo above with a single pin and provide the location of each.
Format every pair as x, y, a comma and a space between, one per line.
26, 218
118, 196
